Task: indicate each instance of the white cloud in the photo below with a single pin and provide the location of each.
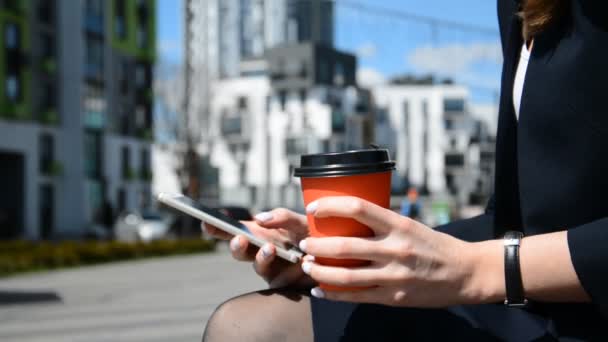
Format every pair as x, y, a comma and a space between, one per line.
367, 50
454, 59
367, 77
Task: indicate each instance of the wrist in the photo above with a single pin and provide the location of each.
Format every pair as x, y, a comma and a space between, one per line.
487, 275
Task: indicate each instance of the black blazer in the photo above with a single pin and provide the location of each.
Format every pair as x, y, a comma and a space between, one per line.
552, 166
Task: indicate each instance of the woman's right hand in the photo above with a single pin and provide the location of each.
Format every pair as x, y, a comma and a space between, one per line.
283, 227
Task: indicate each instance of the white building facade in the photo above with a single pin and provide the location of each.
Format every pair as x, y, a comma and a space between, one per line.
436, 142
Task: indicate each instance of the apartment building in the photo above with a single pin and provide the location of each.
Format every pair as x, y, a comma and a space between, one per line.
305, 100
76, 113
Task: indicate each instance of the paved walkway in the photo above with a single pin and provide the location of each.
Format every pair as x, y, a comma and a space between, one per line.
165, 299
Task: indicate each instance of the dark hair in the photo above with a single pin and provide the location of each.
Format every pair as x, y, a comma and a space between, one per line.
538, 15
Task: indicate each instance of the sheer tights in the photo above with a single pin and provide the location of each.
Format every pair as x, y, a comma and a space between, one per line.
270, 315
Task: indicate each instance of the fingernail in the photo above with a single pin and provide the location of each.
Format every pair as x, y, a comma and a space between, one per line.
312, 207
266, 251
235, 243
264, 216
310, 258
302, 245
306, 266
317, 292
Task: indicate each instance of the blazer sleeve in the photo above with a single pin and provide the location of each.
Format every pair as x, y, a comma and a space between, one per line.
589, 252
478, 228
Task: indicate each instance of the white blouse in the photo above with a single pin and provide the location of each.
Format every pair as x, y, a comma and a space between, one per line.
520, 76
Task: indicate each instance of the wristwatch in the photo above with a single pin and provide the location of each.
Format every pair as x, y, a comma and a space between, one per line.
513, 282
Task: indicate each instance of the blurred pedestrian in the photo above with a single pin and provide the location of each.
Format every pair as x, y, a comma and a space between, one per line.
410, 206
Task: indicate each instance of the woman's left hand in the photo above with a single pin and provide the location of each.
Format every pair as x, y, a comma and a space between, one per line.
411, 264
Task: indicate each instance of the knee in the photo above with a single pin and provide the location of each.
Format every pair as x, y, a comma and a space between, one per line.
221, 320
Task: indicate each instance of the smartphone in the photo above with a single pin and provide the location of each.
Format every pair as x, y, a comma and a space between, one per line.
223, 222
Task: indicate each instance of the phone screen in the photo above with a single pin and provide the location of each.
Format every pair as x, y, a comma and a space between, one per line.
215, 213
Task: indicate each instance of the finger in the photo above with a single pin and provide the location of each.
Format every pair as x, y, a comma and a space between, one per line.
376, 295
281, 218
344, 248
342, 276
263, 260
241, 249
375, 217
215, 232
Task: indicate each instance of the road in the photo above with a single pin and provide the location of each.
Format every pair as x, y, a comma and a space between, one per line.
163, 299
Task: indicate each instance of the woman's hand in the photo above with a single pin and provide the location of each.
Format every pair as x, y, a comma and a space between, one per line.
411, 264
283, 227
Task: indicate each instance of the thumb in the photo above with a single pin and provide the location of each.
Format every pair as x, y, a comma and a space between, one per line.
282, 218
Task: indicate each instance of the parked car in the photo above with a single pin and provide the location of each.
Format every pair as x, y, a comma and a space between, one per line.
237, 213
144, 227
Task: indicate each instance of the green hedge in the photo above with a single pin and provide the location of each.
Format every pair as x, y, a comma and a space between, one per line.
23, 256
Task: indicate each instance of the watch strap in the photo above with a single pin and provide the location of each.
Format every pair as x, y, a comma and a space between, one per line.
515, 296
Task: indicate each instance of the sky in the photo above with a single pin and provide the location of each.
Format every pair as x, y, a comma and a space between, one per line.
387, 46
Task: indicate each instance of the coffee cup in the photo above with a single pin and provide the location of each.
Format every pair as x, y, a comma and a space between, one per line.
365, 174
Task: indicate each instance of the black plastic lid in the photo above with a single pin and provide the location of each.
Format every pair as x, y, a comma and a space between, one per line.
344, 163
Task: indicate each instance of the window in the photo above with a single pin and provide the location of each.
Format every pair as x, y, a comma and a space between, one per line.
94, 58
46, 148
243, 174
454, 160
338, 121
92, 154
140, 76
303, 96
47, 43
48, 97
97, 211
303, 70
338, 74
46, 210
324, 76
242, 102
124, 77
46, 11
283, 99
381, 115
125, 155
453, 105
94, 16
11, 36
144, 167
406, 116
12, 87
142, 36
268, 104
120, 26
122, 200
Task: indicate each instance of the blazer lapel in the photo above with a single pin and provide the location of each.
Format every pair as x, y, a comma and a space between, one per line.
508, 212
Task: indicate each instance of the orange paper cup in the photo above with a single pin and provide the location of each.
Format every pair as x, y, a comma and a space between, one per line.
365, 174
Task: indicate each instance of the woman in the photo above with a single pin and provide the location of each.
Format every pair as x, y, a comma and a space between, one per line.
445, 283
